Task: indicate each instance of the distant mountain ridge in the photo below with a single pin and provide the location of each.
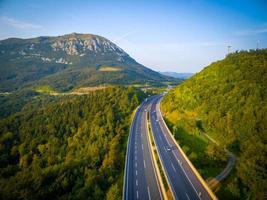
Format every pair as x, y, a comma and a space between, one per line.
178, 75
68, 61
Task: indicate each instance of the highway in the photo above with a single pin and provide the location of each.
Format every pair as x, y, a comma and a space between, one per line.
184, 183
140, 180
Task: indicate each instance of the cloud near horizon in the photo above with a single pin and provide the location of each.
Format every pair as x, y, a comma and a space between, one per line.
19, 24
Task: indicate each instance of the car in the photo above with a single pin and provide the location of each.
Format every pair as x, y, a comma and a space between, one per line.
168, 149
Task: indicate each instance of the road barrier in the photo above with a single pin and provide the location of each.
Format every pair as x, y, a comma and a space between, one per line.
155, 163
126, 157
202, 181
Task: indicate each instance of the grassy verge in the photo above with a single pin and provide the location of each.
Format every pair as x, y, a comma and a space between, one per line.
195, 145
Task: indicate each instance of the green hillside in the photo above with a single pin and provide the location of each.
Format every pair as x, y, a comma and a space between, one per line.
70, 61
228, 101
67, 147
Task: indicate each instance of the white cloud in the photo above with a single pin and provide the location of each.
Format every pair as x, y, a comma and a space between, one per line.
19, 24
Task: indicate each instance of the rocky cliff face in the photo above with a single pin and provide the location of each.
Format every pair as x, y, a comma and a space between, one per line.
76, 44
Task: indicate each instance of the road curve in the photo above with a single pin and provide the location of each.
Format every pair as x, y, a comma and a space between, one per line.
140, 180
184, 183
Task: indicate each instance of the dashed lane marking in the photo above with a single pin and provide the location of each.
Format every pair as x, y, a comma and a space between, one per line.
148, 191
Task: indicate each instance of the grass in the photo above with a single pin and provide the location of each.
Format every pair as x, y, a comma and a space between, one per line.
163, 177
194, 145
89, 89
109, 69
45, 89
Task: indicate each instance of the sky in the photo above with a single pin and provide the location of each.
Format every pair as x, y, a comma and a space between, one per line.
165, 35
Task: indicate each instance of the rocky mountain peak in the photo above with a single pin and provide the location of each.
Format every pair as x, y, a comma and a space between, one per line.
81, 44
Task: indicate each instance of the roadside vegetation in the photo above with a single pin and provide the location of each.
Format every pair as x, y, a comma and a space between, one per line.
227, 100
70, 147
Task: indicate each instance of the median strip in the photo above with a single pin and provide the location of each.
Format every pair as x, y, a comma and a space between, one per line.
163, 181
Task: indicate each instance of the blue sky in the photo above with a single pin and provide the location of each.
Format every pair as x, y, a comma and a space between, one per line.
165, 35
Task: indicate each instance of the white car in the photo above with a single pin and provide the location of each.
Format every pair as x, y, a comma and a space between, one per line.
168, 148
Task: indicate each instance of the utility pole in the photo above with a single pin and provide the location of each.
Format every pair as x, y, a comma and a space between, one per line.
229, 47
258, 44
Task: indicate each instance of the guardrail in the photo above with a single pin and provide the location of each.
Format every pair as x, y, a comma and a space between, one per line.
202, 181
126, 168
164, 192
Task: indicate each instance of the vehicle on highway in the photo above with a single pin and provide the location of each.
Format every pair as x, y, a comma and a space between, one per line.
168, 149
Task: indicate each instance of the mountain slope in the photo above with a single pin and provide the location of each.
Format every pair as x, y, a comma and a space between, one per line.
69, 61
228, 101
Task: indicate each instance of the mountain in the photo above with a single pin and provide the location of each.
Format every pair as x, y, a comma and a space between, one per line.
69, 61
228, 101
177, 75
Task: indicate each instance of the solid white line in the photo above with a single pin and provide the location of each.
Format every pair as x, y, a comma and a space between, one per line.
186, 175
144, 163
142, 147
187, 196
168, 177
181, 166
148, 191
137, 196
136, 182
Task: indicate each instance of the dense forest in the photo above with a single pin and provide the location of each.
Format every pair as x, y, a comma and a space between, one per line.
228, 101
70, 147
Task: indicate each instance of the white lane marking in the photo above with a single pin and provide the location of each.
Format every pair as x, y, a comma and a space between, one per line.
186, 175
144, 163
173, 167
137, 195
181, 167
148, 191
135, 157
187, 196
142, 147
136, 182
136, 172
135, 164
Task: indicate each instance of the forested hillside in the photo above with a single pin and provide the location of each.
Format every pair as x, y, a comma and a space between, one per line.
228, 101
70, 147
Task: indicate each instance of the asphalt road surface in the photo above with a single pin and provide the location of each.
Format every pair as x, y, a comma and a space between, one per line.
184, 183
140, 181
